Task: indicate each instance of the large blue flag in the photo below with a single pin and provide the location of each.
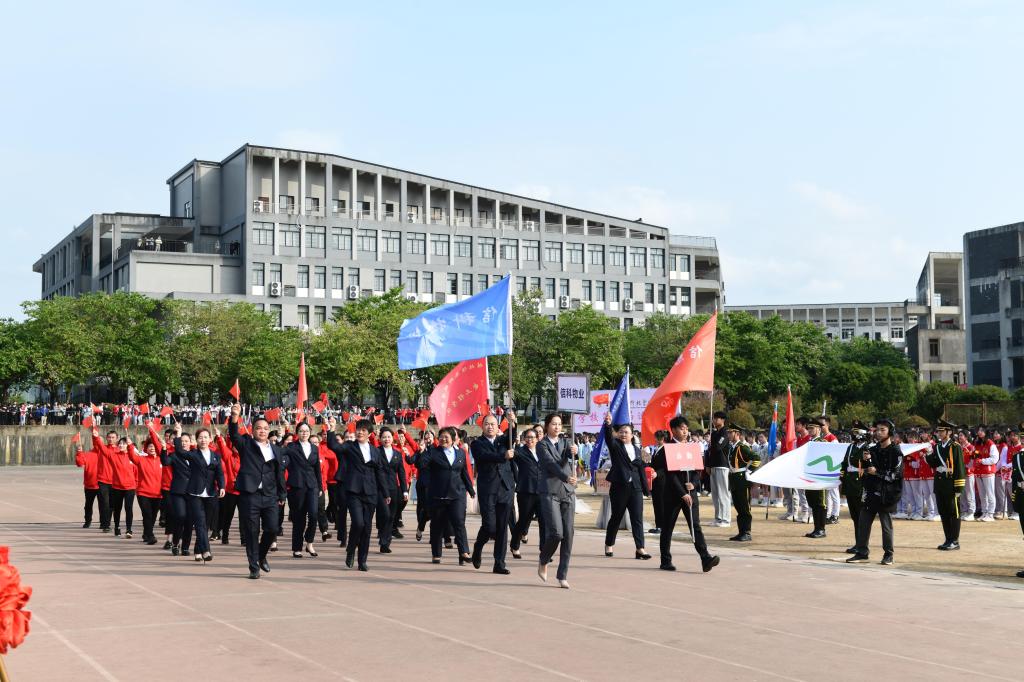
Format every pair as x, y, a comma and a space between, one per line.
475, 328
773, 432
619, 407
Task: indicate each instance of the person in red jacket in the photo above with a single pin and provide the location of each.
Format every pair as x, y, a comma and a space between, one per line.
220, 446
123, 485
104, 473
165, 485
406, 446
325, 467
150, 472
330, 461
88, 461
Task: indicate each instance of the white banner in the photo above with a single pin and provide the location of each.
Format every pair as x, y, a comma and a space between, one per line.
812, 466
591, 423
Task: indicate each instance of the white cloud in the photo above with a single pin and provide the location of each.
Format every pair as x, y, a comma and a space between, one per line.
835, 204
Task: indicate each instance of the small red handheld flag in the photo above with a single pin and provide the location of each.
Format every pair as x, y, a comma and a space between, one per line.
207, 420
87, 422
144, 408
96, 409
378, 418
166, 411
344, 416
323, 397
235, 391
77, 438
127, 422
351, 427
272, 415
683, 457
319, 406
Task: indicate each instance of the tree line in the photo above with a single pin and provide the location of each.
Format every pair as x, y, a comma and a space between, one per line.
113, 343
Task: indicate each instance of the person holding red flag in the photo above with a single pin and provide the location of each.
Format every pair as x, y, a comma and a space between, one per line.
88, 461
104, 473
149, 472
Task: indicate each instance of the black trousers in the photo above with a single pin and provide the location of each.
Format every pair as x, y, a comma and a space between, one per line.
341, 514
256, 510
122, 499
199, 510
321, 512
361, 509
90, 497
494, 513
448, 513
228, 504
669, 516
149, 507
105, 489
422, 507
867, 518
657, 491
213, 517
623, 497
181, 522
529, 506
949, 511
386, 518
165, 511
1018, 506
854, 503
303, 509
816, 501
402, 502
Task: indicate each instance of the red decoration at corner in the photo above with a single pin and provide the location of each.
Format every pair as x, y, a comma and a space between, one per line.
14, 620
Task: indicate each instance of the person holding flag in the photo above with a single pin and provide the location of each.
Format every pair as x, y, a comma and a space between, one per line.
850, 480
88, 461
496, 485
741, 460
883, 487
628, 485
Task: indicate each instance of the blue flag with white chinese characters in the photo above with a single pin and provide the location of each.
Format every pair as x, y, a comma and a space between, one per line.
475, 328
619, 407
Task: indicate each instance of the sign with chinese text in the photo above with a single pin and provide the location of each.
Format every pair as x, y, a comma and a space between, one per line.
573, 391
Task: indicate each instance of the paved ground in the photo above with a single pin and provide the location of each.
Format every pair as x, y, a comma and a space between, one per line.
118, 610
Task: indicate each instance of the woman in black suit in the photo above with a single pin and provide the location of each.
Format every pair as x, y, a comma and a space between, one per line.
530, 485
628, 485
304, 485
449, 482
206, 484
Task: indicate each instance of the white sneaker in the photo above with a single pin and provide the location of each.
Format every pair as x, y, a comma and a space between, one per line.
934, 517
914, 517
776, 503
986, 518
899, 515
786, 517
722, 524
967, 517
1014, 517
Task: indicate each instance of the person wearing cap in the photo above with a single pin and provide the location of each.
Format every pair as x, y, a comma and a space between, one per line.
816, 498
741, 460
850, 480
717, 465
883, 486
947, 461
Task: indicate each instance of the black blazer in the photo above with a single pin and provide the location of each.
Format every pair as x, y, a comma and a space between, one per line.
674, 482
448, 481
557, 467
360, 478
421, 460
180, 464
396, 478
303, 474
494, 475
624, 472
530, 479
253, 470
208, 477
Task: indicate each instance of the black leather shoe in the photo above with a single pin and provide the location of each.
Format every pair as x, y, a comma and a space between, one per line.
501, 571
224, 540
953, 546
254, 575
943, 547
151, 541
815, 535
1020, 574
477, 559
741, 537
167, 545
642, 555
667, 567
886, 559
105, 530
385, 550
362, 567
449, 545
857, 559
707, 563
175, 550
396, 535
851, 550
296, 555
86, 524
516, 554
264, 566
350, 560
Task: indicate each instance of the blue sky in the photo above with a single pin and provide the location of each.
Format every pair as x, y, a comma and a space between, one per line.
828, 146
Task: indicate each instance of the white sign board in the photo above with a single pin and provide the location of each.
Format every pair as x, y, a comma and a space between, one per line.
599, 400
573, 391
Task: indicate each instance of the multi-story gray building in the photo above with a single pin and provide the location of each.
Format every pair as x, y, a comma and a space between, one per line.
936, 344
994, 306
844, 321
300, 233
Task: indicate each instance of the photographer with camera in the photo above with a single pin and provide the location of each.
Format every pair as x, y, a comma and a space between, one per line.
883, 487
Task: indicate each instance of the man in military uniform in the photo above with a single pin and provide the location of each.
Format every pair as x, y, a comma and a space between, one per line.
947, 461
850, 481
1017, 486
742, 459
883, 487
816, 498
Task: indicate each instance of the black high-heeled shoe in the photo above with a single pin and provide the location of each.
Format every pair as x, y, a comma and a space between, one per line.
435, 560
608, 552
296, 555
207, 558
642, 556
463, 559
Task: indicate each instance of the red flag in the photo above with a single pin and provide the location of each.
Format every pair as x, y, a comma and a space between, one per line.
207, 419
242, 430
235, 391
77, 438
166, 411
462, 392
272, 415
301, 396
350, 427
379, 419
144, 408
370, 410
344, 416
87, 422
323, 397
319, 406
694, 370
789, 442
421, 421
127, 422
300, 416
156, 422
503, 425
96, 409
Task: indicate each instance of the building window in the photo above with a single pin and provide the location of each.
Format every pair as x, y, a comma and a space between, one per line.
617, 255
258, 274
613, 292
337, 278
596, 252
648, 293
340, 206
365, 209
396, 278
303, 315
587, 293
353, 277
627, 323
275, 273
627, 290
599, 291
275, 314
682, 263
847, 333
574, 253
658, 259
392, 241
188, 209
510, 249
549, 287
367, 240
320, 277
531, 250
684, 296
486, 247
411, 282
319, 316
467, 284
389, 209
263, 234
896, 333
341, 238
563, 287
439, 245
416, 243
286, 204
302, 279
956, 378
661, 293
378, 280
520, 285
316, 237
453, 283
428, 282
481, 283
535, 284
313, 205
553, 252
290, 235
638, 257
933, 348
436, 215
463, 247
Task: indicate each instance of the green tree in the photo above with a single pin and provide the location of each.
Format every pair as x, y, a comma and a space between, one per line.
984, 393
14, 357
932, 398
847, 382
533, 358
862, 411
61, 343
584, 340
338, 358
269, 362
891, 386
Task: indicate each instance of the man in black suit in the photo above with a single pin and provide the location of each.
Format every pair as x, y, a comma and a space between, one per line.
530, 485
361, 470
260, 486
496, 485
677, 495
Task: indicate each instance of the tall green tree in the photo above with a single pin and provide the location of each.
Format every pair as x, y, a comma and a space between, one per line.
14, 357
62, 343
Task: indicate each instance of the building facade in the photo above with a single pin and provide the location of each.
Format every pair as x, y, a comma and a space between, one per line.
300, 233
844, 321
994, 306
937, 344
